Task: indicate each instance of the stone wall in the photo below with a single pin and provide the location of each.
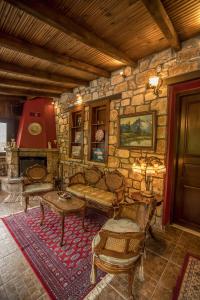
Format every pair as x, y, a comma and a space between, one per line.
135, 97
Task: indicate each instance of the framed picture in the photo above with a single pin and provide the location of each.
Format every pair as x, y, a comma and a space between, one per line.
76, 151
137, 131
98, 154
78, 137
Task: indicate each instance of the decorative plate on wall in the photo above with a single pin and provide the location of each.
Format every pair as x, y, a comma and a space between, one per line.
34, 128
99, 135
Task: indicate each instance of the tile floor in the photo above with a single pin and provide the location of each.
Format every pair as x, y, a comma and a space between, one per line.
162, 265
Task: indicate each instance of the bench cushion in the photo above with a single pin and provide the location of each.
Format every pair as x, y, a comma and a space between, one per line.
36, 188
91, 193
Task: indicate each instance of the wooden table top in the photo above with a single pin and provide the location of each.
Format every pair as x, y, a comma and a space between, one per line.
68, 205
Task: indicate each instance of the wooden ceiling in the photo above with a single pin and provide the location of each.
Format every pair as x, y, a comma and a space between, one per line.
50, 46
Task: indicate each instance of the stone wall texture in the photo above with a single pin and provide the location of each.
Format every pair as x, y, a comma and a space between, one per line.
135, 97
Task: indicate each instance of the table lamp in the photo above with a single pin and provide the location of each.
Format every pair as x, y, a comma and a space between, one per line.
148, 166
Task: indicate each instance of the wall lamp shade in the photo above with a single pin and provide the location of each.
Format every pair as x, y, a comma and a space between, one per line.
155, 83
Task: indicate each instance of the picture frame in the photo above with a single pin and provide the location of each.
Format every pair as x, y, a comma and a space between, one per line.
98, 154
78, 136
137, 131
76, 151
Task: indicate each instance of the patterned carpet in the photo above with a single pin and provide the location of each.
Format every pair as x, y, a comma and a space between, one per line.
63, 271
188, 283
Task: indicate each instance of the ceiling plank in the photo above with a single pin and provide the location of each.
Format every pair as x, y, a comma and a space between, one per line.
32, 85
16, 44
160, 16
30, 72
21, 92
54, 18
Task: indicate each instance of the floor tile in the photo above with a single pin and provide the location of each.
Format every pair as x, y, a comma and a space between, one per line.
154, 265
161, 247
169, 277
3, 295
162, 293
144, 290
190, 241
169, 233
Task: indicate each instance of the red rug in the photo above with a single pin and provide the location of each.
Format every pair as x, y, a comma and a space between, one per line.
63, 271
188, 283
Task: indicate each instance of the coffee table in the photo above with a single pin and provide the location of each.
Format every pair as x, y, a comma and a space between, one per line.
63, 208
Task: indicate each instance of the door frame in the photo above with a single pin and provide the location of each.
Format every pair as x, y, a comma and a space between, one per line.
174, 91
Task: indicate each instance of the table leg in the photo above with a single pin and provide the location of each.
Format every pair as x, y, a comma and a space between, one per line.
83, 218
62, 228
26, 203
42, 213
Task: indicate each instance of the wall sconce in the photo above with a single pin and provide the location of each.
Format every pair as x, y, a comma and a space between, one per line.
79, 99
155, 83
122, 74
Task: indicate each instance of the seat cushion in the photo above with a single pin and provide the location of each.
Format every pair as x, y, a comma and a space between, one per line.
92, 194
36, 188
121, 225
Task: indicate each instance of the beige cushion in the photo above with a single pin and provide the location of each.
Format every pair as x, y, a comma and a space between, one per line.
121, 225
36, 188
113, 260
92, 193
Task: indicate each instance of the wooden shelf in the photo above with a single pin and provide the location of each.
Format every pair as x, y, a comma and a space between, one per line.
76, 132
98, 119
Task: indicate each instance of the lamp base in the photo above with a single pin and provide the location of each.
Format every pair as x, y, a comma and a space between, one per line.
147, 194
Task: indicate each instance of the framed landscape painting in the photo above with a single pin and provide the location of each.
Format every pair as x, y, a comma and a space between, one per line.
137, 131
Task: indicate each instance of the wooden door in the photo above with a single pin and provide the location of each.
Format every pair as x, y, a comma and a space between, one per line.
187, 185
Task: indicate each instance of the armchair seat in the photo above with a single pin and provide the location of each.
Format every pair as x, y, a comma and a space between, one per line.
92, 194
36, 188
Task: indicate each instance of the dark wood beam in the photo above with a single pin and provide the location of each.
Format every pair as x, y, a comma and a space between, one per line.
21, 92
16, 44
30, 72
12, 98
32, 85
160, 16
56, 19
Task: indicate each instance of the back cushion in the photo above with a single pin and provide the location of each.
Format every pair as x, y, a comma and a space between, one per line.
92, 175
114, 180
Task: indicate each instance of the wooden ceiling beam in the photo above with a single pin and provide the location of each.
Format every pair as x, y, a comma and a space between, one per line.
32, 85
15, 69
160, 16
16, 44
56, 19
4, 97
21, 92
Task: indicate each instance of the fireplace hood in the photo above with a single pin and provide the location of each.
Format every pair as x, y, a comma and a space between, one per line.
37, 128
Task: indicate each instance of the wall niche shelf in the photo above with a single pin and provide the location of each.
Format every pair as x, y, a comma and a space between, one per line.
76, 133
98, 131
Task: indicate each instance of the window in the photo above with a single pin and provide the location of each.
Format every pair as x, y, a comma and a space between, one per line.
3, 136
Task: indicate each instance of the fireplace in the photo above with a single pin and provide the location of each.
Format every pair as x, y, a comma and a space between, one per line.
27, 161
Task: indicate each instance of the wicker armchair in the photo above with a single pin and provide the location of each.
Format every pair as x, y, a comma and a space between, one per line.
35, 183
120, 244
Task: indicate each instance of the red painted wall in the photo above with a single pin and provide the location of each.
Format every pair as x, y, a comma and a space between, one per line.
39, 110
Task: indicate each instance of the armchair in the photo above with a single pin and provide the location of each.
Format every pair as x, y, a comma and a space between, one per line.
120, 244
35, 183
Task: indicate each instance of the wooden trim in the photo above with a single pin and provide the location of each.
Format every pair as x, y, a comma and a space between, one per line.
15, 69
56, 19
182, 77
154, 117
160, 16
16, 44
173, 91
